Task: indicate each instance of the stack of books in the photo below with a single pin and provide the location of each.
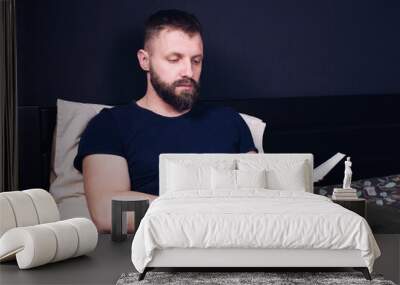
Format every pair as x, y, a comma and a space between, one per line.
344, 194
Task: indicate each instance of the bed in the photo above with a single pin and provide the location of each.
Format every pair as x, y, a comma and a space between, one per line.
235, 220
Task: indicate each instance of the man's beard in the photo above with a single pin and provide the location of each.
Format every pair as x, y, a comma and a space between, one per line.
180, 102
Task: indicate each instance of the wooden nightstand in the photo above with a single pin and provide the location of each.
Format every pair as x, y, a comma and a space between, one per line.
358, 206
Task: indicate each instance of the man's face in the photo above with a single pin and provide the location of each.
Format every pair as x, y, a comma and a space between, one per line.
175, 62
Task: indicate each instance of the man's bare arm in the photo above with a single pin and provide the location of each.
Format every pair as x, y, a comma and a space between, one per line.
106, 176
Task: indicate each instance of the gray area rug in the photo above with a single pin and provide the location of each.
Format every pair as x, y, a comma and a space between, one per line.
231, 278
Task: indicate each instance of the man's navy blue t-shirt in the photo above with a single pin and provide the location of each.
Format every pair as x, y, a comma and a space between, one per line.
140, 136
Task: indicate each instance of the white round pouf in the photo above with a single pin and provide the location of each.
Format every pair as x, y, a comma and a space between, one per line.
33, 246
6, 215
87, 234
30, 230
45, 205
67, 240
23, 208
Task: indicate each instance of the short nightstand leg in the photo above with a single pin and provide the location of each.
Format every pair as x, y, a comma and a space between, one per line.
364, 271
116, 224
143, 274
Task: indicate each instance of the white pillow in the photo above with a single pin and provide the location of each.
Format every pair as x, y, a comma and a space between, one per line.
281, 174
223, 179
237, 179
251, 178
193, 174
72, 119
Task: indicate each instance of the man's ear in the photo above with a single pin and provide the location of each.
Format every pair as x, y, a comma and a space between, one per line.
143, 58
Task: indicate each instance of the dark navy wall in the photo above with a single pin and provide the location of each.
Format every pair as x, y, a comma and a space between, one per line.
85, 50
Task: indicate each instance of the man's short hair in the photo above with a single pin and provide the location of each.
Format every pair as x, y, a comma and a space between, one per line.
174, 19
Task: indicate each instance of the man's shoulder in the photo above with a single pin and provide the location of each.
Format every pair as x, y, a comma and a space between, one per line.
121, 109
117, 112
216, 109
110, 117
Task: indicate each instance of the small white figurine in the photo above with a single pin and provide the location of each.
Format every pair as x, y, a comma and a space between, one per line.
347, 174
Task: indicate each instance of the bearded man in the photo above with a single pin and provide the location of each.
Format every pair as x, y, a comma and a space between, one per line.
119, 150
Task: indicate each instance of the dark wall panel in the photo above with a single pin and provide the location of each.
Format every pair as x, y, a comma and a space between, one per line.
29, 148
85, 50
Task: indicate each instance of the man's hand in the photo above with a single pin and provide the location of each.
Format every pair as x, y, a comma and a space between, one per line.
106, 176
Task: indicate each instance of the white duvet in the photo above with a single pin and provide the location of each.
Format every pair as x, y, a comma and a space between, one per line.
250, 219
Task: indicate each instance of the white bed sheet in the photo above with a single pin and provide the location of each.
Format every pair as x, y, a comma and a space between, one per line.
253, 218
